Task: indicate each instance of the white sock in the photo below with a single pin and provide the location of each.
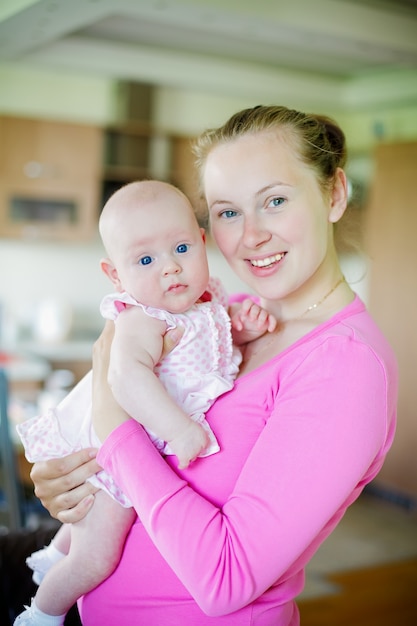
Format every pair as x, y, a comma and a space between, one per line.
43, 619
40, 562
53, 553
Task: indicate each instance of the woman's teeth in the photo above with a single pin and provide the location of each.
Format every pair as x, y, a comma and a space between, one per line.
269, 260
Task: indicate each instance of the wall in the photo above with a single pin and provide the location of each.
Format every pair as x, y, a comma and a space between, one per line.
390, 234
70, 272
55, 95
74, 97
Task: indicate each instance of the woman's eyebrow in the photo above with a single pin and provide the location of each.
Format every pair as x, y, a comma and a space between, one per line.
277, 183
260, 192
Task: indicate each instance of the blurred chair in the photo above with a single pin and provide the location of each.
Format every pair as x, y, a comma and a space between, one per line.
18, 542
10, 481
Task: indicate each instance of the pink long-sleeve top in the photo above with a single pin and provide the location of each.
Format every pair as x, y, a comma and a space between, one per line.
226, 540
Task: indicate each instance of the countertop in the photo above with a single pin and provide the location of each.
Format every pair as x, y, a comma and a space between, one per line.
21, 367
31, 360
70, 350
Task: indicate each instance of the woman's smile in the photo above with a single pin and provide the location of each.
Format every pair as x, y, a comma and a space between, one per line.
267, 261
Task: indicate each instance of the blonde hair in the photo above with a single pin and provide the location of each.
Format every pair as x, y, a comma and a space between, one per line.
319, 141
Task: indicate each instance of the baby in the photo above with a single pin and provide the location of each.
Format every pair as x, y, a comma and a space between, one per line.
158, 265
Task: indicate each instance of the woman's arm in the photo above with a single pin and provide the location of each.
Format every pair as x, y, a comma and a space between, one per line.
61, 484
326, 436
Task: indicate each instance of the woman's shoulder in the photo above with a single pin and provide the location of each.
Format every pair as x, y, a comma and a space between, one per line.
356, 322
349, 349
348, 338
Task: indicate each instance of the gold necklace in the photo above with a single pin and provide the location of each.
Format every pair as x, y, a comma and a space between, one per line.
317, 304
272, 336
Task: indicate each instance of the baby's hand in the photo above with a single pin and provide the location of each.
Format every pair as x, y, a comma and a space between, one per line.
189, 444
251, 317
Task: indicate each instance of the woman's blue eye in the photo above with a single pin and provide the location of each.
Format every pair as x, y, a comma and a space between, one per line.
145, 260
182, 247
277, 201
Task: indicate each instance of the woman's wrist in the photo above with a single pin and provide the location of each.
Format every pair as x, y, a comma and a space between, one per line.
106, 413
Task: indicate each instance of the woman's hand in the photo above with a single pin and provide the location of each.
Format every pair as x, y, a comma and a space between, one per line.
107, 414
61, 485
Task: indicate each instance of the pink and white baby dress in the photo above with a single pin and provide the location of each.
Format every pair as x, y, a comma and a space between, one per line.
200, 368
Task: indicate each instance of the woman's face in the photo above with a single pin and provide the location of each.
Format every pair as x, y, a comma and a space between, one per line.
269, 216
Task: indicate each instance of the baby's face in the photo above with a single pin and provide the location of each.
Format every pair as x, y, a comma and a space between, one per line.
159, 253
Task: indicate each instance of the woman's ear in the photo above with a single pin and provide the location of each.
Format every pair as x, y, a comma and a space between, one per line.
203, 234
111, 272
339, 196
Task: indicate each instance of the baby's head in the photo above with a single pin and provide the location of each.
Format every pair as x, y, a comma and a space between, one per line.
155, 247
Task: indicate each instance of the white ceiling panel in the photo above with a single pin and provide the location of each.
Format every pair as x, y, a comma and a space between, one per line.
237, 43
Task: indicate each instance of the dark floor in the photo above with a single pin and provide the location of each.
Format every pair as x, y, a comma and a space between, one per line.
366, 568
374, 532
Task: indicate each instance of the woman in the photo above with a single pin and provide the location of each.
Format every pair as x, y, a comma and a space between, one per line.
308, 424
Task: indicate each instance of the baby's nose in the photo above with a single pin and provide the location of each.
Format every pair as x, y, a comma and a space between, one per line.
172, 268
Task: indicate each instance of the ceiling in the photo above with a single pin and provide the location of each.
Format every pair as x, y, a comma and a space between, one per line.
338, 49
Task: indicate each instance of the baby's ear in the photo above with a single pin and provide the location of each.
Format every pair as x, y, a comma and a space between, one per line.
111, 272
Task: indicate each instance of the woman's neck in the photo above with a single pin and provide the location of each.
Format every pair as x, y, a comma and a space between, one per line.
290, 330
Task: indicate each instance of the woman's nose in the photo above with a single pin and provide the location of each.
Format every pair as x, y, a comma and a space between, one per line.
254, 232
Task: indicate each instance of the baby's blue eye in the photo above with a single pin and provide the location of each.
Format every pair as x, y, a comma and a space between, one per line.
228, 214
145, 260
182, 247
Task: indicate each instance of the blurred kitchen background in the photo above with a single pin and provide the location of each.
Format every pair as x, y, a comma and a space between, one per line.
94, 94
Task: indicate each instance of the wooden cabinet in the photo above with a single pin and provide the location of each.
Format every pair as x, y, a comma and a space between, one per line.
391, 242
185, 176
133, 148
135, 151
56, 176
50, 177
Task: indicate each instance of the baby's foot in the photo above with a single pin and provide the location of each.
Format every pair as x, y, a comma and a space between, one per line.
32, 616
25, 619
42, 561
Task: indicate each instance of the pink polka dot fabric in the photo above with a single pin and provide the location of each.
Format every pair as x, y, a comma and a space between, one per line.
201, 367
205, 363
